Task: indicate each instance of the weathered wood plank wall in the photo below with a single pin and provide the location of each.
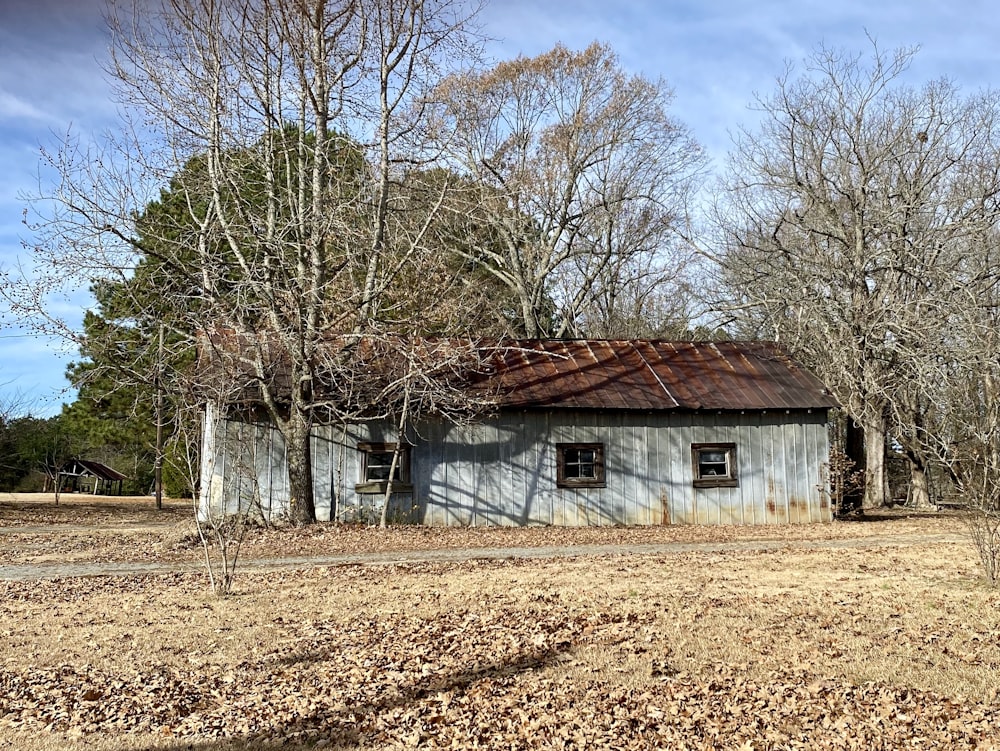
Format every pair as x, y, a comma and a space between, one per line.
503, 471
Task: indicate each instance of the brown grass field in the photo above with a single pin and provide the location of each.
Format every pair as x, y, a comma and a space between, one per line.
868, 634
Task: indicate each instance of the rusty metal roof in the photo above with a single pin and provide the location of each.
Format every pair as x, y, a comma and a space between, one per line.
85, 467
652, 375
622, 374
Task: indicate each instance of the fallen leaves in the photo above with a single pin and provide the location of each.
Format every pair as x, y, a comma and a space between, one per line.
739, 649
131, 530
490, 675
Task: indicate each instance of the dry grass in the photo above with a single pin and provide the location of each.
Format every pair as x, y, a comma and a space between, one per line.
126, 529
33, 509
802, 647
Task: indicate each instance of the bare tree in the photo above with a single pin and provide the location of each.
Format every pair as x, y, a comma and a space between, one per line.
433, 378
845, 220
225, 506
577, 170
281, 129
956, 379
640, 297
15, 404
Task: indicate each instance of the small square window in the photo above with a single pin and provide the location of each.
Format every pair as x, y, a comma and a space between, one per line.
714, 464
580, 465
376, 464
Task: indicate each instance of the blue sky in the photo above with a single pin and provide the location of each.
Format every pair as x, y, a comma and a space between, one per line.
715, 54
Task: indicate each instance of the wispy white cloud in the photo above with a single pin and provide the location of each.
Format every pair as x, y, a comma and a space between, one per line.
50, 77
716, 54
69, 88
13, 107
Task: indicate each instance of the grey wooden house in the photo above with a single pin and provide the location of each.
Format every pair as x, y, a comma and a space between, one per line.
585, 432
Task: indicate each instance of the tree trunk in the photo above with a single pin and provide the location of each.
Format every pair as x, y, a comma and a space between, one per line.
383, 521
529, 318
920, 495
158, 462
209, 450
302, 508
854, 447
876, 479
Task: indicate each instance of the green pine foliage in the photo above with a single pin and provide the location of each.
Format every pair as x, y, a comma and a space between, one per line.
443, 290
31, 448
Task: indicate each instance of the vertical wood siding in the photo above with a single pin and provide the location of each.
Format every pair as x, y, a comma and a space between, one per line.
503, 471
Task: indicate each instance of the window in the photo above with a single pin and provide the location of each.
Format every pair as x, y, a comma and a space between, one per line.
376, 462
580, 465
714, 464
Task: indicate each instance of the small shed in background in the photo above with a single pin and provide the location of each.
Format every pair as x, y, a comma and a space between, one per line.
84, 476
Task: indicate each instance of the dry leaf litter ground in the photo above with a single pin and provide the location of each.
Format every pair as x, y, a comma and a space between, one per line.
890, 643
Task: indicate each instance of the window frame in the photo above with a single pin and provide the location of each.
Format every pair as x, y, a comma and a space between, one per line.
598, 480
728, 480
374, 485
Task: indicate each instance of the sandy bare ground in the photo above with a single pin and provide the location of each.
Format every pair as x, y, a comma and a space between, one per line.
864, 634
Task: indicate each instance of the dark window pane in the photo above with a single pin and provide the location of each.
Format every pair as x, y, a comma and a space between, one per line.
581, 465
379, 464
378, 472
713, 463
380, 457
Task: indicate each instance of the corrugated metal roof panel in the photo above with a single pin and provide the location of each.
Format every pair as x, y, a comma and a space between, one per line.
652, 375
83, 467
642, 375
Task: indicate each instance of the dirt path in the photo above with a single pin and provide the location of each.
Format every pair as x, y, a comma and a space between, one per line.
28, 572
78, 529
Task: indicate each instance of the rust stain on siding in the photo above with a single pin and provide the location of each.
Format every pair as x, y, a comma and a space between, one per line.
776, 514
684, 517
664, 509
729, 514
562, 518
798, 510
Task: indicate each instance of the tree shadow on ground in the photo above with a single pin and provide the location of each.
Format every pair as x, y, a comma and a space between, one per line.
890, 514
343, 728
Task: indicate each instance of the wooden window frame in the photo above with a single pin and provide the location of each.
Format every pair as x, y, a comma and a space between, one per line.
597, 481
728, 480
368, 485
